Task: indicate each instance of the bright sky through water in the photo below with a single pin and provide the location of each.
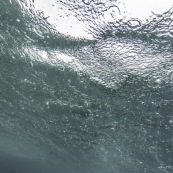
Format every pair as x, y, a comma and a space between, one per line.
142, 9
67, 24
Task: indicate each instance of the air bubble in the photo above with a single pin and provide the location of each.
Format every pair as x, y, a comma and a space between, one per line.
158, 81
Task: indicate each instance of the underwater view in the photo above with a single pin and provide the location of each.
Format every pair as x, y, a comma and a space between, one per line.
86, 86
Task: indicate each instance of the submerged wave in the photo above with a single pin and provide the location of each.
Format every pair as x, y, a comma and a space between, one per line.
85, 105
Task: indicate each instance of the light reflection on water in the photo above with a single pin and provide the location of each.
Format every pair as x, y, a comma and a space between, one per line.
103, 103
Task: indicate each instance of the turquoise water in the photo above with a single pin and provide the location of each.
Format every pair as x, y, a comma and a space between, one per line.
79, 105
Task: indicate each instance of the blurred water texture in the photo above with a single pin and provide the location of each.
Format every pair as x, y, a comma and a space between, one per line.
99, 103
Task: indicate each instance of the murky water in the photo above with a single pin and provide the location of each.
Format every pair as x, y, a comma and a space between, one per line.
101, 102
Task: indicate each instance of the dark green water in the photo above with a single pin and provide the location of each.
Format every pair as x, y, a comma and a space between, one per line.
74, 105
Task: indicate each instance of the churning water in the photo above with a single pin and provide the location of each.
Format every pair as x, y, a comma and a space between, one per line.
102, 103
